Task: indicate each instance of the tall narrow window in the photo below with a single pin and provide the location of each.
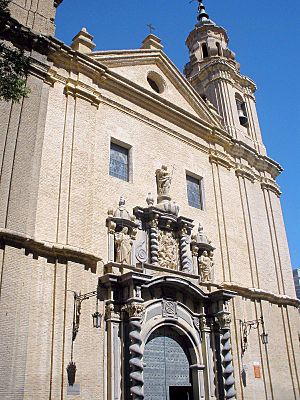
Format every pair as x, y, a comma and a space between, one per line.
242, 111
118, 165
204, 50
219, 49
194, 192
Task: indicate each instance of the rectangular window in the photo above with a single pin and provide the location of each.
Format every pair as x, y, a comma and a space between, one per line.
194, 192
118, 164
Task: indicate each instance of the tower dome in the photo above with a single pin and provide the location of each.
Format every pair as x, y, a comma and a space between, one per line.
207, 41
215, 74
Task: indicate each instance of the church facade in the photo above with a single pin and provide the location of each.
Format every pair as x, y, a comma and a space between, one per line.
143, 249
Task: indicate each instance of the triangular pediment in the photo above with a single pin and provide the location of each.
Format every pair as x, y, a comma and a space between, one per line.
137, 66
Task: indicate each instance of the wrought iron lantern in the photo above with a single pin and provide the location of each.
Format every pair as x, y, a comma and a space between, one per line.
264, 338
71, 371
246, 327
97, 317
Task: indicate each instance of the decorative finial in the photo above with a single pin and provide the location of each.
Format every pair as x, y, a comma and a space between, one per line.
200, 229
150, 199
203, 17
83, 42
122, 202
202, 14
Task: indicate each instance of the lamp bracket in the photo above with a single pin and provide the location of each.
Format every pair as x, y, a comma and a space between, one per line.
78, 299
245, 329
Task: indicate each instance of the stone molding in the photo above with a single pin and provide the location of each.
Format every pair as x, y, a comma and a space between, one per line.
260, 294
63, 56
220, 66
77, 89
221, 158
115, 83
48, 250
117, 58
269, 185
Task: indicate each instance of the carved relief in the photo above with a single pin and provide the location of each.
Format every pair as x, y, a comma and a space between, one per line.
224, 320
141, 253
169, 309
134, 310
111, 312
196, 322
205, 266
123, 243
168, 250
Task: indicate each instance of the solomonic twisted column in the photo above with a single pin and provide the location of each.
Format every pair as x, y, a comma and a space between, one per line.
227, 366
226, 357
154, 242
135, 312
135, 362
186, 262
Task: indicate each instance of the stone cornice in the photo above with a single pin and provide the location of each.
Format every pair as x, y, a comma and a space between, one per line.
118, 58
54, 251
261, 163
65, 57
153, 122
172, 113
260, 294
221, 158
245, 172
23, 37
221, 65
269, 185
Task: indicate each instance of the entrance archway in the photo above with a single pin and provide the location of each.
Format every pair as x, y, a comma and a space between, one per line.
167, 362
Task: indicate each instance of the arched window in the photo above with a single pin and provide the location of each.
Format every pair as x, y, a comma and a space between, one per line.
242, 110
219, 49
204, 50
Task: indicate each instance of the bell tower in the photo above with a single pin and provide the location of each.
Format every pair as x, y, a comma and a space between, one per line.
215, 74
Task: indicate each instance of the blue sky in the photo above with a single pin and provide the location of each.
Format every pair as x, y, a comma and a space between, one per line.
265, 37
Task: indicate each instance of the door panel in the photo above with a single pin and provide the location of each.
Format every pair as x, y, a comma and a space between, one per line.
166, 364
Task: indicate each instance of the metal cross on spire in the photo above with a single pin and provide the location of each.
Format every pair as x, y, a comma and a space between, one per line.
151, 28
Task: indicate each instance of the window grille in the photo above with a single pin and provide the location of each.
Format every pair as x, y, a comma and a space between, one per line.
194, 192
118, 165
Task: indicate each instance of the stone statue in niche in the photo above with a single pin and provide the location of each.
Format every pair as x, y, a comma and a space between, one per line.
205, 266
163, 181
168, 250
123, 243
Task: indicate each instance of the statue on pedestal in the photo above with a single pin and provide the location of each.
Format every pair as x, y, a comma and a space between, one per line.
163, 181
205, 266
123, 244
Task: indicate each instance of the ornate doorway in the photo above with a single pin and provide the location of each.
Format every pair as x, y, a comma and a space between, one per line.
167, 366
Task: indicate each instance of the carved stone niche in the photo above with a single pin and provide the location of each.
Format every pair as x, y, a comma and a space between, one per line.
203, 253
169, 237
122, 231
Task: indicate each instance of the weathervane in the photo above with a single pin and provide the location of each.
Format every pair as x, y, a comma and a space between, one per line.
199, 1
151, 28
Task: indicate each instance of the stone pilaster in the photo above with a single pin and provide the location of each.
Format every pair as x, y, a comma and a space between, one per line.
114, 352
205, 326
